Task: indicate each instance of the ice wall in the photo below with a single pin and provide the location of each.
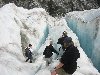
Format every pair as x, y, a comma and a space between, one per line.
43, 39
18, 28
86, 25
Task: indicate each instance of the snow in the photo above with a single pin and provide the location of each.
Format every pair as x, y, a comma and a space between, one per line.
19, 27
86, 15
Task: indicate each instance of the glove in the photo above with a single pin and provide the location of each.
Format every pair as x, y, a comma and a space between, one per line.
57, 53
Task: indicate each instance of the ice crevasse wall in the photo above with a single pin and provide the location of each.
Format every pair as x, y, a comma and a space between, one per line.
18, 27
86, 25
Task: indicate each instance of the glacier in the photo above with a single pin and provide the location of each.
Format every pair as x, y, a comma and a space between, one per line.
86, 25
19, 27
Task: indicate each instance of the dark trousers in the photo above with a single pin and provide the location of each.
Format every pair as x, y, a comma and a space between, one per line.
60, 71
28, 59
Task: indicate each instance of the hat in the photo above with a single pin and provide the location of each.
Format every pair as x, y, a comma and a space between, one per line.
30, 45
68, 40
64, 33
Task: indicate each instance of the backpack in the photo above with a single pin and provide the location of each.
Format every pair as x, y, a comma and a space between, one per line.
27, 51
68, 40
77, 53
60, 41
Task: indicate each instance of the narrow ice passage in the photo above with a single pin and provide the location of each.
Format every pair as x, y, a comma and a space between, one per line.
24, 26
55, 31
86, 25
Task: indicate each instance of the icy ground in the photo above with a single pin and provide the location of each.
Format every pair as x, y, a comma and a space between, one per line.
19, 27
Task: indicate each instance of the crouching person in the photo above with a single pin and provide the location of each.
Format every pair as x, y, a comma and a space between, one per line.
68, 64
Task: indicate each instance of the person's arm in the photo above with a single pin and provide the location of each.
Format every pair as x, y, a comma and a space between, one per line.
58, 66
44, 52
53, 50
54, 72
31, 49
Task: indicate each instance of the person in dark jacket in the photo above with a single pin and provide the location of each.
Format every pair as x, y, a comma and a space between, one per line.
68, 59
29, 53
48, 53
61, 39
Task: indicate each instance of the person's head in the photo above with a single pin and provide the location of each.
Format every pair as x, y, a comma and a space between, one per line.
67, 42
64, 33
30, 45
51, 42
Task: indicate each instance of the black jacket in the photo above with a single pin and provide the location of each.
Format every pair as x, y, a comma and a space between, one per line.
69, 59
30, 54
48, 51
61, 41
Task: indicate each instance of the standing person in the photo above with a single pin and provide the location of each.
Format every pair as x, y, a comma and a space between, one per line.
68, 60
28, 53
48, 53
61, 39
65, 34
